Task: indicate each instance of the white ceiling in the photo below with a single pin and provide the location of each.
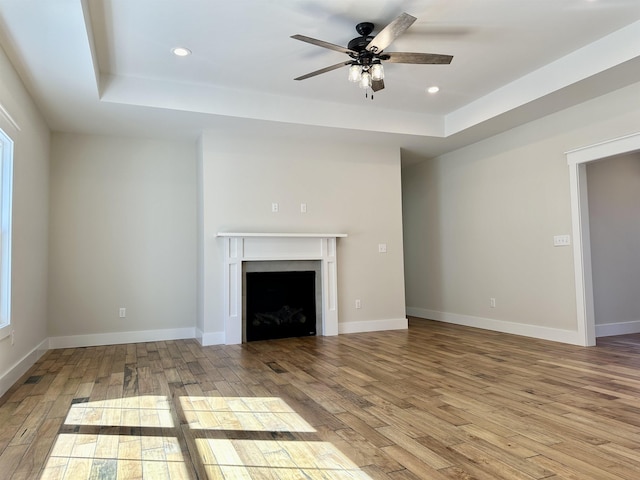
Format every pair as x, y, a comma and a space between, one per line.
105, 66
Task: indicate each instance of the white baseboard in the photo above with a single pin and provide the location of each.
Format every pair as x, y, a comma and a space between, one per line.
22, 366
526, 330
121, 337
620, 328
210, 338
373, 325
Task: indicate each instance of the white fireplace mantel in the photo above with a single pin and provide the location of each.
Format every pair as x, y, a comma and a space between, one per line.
282, 235
259, 246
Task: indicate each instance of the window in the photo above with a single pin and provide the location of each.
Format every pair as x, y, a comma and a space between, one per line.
6, 184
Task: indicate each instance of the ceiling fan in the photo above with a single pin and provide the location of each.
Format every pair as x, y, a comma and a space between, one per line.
367, 53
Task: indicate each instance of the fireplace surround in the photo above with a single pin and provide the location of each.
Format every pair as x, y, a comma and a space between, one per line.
240, 248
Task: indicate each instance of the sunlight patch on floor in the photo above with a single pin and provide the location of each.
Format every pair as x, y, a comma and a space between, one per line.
258, 414
139, 411
107, 456
282, 459
233, 437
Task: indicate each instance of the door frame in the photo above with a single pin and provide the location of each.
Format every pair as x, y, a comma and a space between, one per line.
578, 160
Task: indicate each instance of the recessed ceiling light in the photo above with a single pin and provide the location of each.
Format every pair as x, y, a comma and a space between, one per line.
181, 51
433, 89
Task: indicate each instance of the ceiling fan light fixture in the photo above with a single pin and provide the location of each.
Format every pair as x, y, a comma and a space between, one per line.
355, 73
367, 52
433, 89
377, 72
365, 80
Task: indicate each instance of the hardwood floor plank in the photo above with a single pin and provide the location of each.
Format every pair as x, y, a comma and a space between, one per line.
436, 401
588, 469
366, 429
506, 444
413, 464
495, 465
10, 458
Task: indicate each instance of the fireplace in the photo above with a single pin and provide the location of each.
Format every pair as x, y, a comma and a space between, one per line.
279, 304
247, 252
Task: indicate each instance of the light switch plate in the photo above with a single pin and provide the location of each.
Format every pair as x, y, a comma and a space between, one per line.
561, 240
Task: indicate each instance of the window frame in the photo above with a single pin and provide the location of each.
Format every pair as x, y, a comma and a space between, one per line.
6, 200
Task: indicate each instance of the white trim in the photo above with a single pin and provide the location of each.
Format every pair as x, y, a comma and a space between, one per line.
22, 366
209, 338
582, 254
6, 209
608, 148
373, 325
9, 118
5, 330
577, 160
115, 338
620, 328
282, 235
527, 330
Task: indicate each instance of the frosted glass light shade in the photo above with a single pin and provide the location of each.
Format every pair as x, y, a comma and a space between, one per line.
377, 72
355, 73
365, 81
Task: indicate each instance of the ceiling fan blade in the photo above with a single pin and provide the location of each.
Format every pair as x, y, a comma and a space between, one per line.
321, 43
421, 58
389, 33
377, 85
323, 70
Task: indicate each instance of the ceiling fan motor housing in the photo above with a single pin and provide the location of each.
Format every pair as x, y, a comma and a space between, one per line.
359, 44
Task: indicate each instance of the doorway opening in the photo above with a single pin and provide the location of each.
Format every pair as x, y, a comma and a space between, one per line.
577, 160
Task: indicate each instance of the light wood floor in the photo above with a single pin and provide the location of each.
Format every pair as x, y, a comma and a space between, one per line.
435, 402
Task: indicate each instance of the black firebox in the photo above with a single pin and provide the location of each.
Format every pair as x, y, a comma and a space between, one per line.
280, 304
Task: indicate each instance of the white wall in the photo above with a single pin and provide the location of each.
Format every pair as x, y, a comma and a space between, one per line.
30, 224
123, 234
479, 223
348, 188
613, 187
